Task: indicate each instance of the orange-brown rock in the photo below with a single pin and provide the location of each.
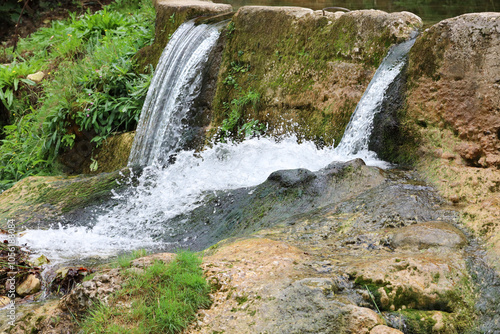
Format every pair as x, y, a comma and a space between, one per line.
454, 78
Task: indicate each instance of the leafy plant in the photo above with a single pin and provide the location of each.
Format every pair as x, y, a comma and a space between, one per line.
91, 86
22, 153
233, 125
230, 29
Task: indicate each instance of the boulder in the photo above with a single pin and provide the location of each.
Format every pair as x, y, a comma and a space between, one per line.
454, 81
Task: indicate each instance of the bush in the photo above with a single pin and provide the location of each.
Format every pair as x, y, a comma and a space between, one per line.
91, 85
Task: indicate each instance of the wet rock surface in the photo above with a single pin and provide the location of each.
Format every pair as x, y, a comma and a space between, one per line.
323, 252
429, 234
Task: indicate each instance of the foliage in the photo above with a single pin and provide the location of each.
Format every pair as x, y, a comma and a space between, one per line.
10, 78
164, 299
91, 86
21, 152
234, 124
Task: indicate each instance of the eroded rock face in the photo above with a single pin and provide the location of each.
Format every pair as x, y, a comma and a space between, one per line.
454, 76
310, 70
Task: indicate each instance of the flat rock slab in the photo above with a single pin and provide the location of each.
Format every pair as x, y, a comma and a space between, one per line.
429, 234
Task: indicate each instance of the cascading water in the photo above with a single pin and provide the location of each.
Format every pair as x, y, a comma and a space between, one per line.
175, 85
141, 217
357, 134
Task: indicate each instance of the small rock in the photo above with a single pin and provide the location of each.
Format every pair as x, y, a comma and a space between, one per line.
29, 286
383, 329
36, 77
362, 319
470, 152
4, 301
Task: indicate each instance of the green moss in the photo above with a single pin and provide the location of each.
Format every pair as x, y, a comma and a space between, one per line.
426, 55
79, 191
418, 322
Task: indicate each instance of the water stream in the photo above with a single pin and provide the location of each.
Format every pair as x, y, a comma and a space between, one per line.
175, 85
142, 213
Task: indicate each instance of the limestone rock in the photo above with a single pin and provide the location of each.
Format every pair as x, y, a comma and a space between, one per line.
383, 329
36, 77
29, 286
362, 319
419, 281
429, 234
455, 81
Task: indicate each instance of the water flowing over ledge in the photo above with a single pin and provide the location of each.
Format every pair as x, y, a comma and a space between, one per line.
176, 84
357, 134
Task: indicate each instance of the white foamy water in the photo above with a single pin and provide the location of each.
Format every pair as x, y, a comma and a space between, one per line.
143, 213
175, 85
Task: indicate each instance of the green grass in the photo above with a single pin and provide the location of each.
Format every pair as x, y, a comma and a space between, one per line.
125, 260
164, 298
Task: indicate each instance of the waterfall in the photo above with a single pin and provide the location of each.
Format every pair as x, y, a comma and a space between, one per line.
175, 85
357, 134
141, 217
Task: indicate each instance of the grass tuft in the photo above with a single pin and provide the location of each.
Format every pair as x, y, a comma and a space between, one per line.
164, 298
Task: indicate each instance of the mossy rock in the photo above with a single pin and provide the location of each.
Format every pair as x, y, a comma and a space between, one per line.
39, 199
112, 155
310, 70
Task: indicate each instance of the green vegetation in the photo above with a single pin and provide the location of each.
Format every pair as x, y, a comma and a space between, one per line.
164, 298
92, 87
235, 124
125, 260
